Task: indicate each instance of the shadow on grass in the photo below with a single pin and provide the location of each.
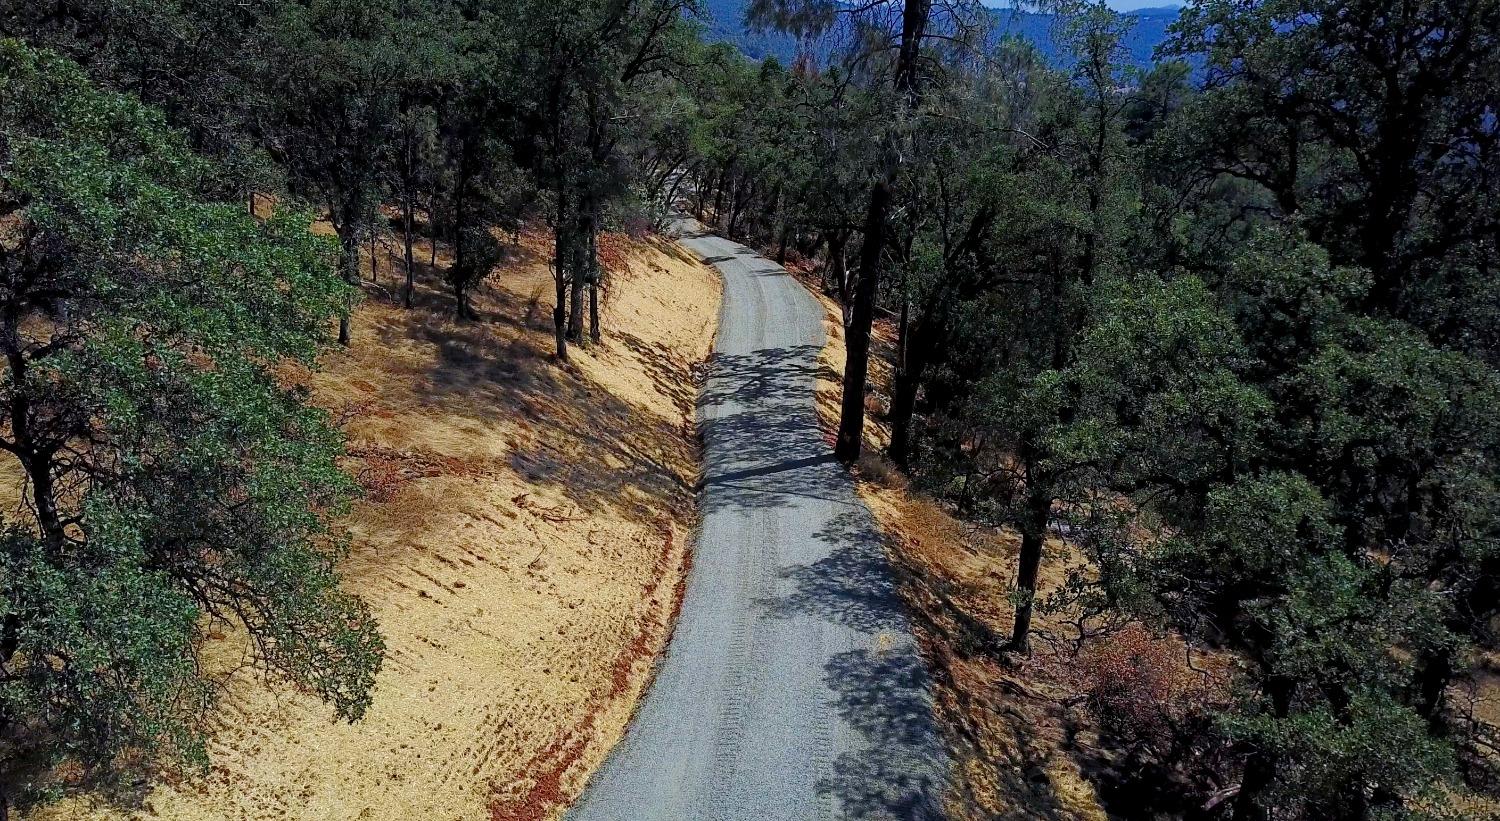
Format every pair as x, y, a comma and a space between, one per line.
991, 720
597, 450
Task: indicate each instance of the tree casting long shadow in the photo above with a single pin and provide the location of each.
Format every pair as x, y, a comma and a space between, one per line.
763, 446
883, 691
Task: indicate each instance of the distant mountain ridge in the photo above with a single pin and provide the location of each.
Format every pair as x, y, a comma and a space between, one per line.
1149, 31
725, 23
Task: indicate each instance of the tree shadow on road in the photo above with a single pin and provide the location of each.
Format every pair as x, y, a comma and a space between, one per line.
898, 767
902, 771
852, 585
762, 444
768, 376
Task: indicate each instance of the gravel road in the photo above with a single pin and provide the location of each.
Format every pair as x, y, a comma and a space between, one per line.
792, 689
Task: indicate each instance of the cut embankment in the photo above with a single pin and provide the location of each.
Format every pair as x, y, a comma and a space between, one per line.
523, 538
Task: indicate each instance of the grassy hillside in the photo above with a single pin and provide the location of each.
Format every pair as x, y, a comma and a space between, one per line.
523, 540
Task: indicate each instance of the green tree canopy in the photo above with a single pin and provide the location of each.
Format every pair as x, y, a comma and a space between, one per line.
173, 479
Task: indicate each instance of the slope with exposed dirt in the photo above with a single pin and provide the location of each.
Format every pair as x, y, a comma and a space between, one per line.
523, 540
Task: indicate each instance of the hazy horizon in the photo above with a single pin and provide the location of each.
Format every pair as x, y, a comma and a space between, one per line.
1132, 5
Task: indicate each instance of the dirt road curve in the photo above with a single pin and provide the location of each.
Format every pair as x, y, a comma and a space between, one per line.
792, 690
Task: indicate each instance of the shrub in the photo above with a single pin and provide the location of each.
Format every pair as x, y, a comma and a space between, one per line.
1140, 688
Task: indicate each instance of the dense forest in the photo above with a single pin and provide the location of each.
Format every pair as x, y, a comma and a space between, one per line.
1230, 324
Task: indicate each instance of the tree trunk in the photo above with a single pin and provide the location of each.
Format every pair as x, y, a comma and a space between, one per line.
671, 197
825, 271
1387, 206
38, 466
1033, 538
408, 223
595, 334
705, 184
349, 257
719, 197
459, 273
10, 637
560, 281
907, 380
1434, 672
432, 225
408, 208
903, 408
734, 194
577, 283
1261, 767
838, 273
456, 273
856, 365
776, 220
857, 358
595, 272
743, 193
35, 457
1260, 772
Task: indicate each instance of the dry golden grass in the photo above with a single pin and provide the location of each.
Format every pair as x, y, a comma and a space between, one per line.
1014, 729
523, 543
